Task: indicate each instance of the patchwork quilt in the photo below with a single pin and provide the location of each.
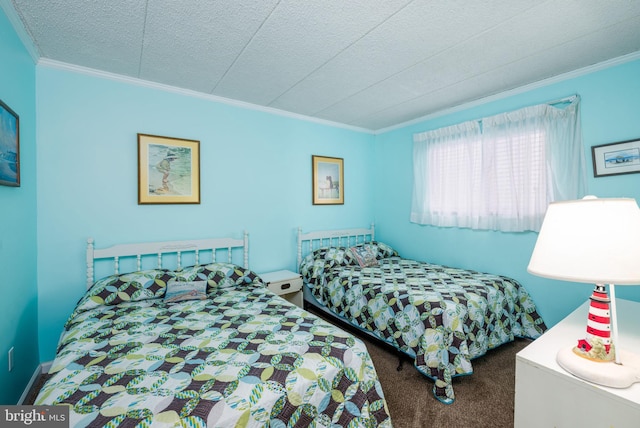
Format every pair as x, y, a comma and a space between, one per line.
241, 357
442, 316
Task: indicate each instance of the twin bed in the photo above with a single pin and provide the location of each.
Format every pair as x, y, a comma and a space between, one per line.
442, 317
195, 341
183, 333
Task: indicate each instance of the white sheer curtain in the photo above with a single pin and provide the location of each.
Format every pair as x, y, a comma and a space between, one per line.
499, 173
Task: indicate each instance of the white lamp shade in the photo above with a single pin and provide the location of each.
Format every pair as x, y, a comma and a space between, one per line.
590, 240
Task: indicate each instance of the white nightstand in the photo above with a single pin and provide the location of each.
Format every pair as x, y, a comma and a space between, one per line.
286, 284
548, 396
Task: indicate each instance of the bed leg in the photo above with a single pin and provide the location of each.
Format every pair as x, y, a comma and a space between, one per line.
400, 361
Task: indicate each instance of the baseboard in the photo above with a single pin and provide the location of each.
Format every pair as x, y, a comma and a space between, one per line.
40, 369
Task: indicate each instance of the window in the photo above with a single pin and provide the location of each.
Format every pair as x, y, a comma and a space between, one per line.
499, 173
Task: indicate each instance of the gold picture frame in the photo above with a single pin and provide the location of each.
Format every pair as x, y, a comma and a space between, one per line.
328, 180
168, 170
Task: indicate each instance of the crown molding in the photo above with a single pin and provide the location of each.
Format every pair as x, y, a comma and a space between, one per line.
49, 63
270, 110
520, 90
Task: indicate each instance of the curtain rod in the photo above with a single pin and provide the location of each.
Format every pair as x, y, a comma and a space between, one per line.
563, 100
567, 99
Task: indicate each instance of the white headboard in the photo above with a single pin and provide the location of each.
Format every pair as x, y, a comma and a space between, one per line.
310, 241
157, 250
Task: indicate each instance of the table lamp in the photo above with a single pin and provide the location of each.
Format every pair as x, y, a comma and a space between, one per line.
596, 241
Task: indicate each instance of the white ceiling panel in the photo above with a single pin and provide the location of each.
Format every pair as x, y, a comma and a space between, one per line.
415, 34
487, 58
482, 85
297, 38
105, 35
365, 63
208, 36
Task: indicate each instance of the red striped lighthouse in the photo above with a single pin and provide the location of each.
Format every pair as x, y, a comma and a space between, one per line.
597, 343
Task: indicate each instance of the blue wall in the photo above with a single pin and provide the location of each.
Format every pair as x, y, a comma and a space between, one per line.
256, 170
18, 305
610, 106
255, 175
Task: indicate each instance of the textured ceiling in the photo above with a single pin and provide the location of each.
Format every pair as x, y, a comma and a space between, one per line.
365, 63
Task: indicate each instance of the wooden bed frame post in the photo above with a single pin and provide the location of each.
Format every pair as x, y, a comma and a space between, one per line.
246, 250
89, 263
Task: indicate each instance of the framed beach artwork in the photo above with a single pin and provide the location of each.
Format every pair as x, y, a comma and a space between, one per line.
9, 147
168, 170
616, 158
328, 180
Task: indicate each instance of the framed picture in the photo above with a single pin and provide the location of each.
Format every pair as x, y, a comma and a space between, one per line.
9, 147
328, 180
616, 158
168, 170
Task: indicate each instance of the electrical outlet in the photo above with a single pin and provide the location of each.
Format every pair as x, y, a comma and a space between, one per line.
11, 359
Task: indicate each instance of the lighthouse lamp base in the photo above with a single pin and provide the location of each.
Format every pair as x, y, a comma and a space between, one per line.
606, 373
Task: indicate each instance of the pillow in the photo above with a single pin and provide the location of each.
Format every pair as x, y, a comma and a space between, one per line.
178, 291
224, 275
334, 256
383, 250
365, 255
217, 275
312, 270
126, 287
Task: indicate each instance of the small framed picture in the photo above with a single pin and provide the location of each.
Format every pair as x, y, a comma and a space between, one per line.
168, 170
9, 147
328, 180
616, 158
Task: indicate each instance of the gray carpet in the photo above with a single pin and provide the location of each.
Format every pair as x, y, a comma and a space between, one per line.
484, 399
